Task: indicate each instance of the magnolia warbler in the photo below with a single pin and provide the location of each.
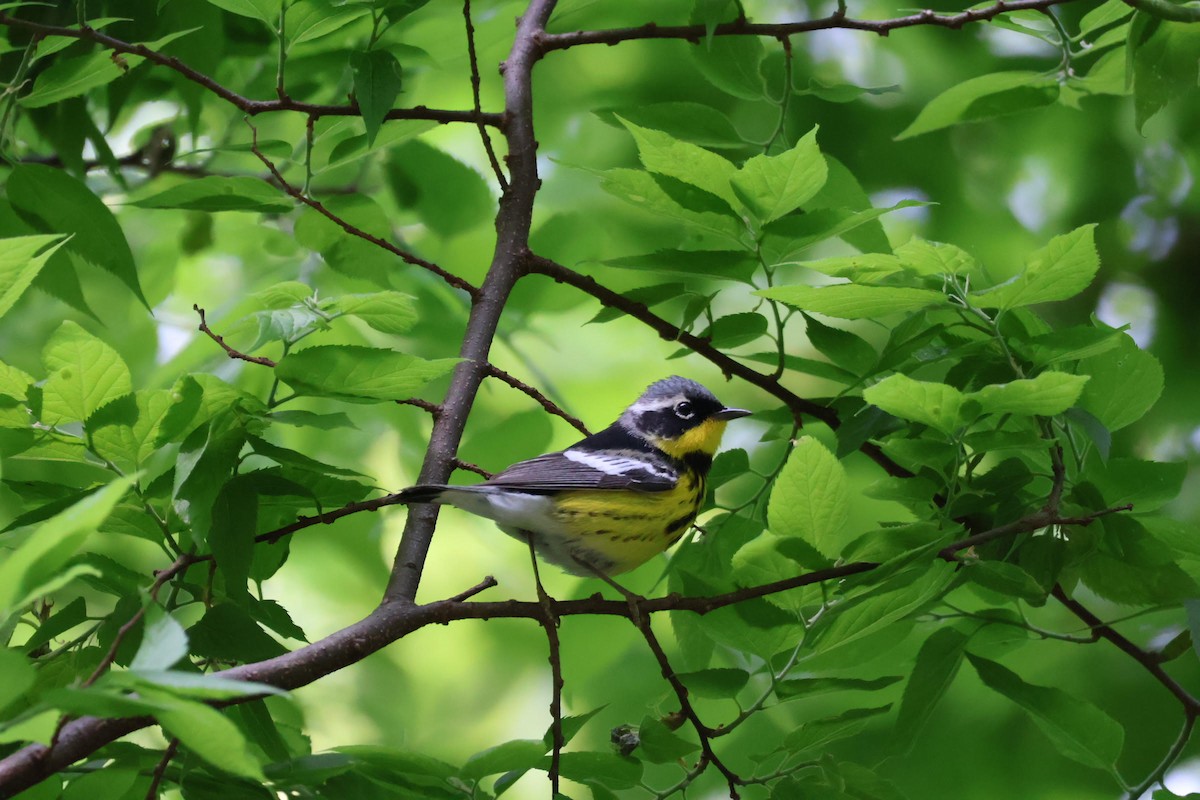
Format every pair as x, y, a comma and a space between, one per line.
615, 499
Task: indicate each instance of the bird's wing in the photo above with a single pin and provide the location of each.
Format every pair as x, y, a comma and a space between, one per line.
587, 469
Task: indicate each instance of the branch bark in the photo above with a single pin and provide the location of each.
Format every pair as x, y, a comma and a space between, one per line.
508, 264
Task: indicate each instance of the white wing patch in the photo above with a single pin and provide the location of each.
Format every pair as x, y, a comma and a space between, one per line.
617, 464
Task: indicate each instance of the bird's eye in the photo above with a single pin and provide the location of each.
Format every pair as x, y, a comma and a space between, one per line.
684, 410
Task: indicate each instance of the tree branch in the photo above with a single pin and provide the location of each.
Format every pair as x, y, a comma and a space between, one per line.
388, 623
229, 351
1148, 660
730, 366
353, 230
249, 106
545, 402
743, 27
513, 223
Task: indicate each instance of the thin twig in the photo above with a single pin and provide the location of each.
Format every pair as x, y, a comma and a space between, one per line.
353, 230
1148, 660
475, 82
1160, 771
483, 585
495, 372
229, 351
161, 768
704, 733
549, 622
1028, 524
161, 577
433, 409
469, 467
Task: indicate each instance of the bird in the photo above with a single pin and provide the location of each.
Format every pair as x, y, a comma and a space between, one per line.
615, 499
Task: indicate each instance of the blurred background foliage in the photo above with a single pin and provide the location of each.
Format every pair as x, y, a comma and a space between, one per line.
999, 188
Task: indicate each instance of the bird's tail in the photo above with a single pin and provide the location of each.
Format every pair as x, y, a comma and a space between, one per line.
428, 493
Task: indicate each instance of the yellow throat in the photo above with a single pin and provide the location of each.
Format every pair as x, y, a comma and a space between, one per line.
704, 438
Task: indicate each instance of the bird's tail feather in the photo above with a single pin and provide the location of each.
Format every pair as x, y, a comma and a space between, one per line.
428, 493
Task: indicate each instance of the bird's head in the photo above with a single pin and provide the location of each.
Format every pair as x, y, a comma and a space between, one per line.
679, 417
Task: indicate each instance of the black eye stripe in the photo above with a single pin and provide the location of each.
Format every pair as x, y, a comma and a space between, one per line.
684, 410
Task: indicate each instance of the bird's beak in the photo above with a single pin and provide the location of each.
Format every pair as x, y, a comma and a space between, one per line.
730, 413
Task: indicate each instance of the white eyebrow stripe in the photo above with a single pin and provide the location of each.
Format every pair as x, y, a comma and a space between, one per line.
657, 403
613, 464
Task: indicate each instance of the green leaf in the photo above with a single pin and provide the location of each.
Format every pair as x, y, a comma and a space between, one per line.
21, 259
1164, 68
110, 782
312, 19
861, 268
54, 202
36, 560
772, 186
1069, 344
71, 77
810, 498
937, 405
648, 296
1146, 484
265, 10
218, 193
851, 301
14, 382
307, 419
1046, 395
377, 83
723, 683
811, 687
206, 732
734, 265
868, 614
731, 63
1059, 271
228, 633
84, 374
640, 189
571, 725
125, 431
451, 197
1006, 579
819, 733
609, 769
693, 122
735, 330
1077, 728
198, 686
231, 537
357, 373
164, 641
660, 745
1125, 383
843, 92
519, 754
386, 312
935, 258
662, 153
840, 346
983, 98
16, 676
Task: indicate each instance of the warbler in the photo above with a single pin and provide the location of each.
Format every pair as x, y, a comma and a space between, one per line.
615, 499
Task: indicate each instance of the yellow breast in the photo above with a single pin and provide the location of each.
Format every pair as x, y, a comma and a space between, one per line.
616, 531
